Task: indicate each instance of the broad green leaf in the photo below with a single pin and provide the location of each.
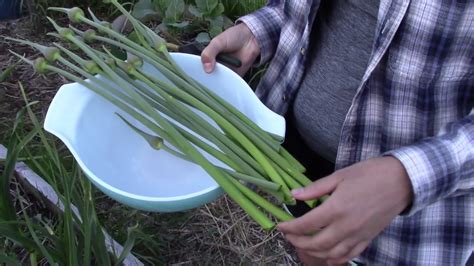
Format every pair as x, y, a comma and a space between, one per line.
216, 22
231, 5
232, 8
143, 4
144, 11
235, 9
133, 36
160, 6
119, 53
206, 6
227, 22
203, 37
217, 11
175, 11
121, 24
248, 6
161, 28
195, 11
215, 30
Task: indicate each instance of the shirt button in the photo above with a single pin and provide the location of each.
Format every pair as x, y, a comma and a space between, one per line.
284, 97
302, 51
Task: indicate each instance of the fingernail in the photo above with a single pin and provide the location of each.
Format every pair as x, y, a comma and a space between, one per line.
297, 191
208, 67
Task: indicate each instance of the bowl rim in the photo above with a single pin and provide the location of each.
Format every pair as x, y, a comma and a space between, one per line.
119, 192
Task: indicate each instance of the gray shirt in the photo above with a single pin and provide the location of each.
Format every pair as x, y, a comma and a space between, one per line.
341, 43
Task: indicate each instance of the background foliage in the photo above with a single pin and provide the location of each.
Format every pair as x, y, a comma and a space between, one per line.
202, 18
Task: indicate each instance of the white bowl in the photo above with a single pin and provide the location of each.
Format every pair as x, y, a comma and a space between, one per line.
119, 161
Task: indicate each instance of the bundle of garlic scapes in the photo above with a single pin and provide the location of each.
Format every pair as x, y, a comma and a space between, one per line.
253, 155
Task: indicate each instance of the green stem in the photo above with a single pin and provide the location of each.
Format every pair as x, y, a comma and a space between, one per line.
261, 183
135, 47
228, 127
217, 154
262, 202
275, 156
188, 149
293, 184
218, 102
300, 177
114, 96
197, 124
141, 32
295, 163
173, 77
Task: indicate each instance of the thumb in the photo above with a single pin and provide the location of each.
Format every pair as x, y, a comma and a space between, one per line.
317, 189
208, 55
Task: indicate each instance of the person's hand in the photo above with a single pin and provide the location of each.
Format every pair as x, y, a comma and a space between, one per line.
365, 198
308, 260
237, 41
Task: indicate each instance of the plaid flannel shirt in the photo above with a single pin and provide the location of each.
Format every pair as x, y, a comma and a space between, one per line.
414, 102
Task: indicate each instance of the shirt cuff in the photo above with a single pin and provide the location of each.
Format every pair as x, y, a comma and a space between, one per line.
430, 167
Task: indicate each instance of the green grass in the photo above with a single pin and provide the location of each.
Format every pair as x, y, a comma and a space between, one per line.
28, 235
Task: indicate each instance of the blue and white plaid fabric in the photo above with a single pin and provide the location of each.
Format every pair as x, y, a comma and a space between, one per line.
414, 102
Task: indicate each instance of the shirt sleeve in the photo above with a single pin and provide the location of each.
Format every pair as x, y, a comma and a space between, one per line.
440, 166
266, 24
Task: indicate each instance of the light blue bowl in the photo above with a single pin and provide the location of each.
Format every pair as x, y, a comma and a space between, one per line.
122, 165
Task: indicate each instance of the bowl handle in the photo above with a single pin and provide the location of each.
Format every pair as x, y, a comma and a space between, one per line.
65, 110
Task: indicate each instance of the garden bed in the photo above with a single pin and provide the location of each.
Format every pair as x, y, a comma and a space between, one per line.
219, 232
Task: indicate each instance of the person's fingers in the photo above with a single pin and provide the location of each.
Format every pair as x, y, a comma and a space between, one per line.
308, 260
341, 250
309, 223
238, 41
229, 41
357, 250
316, 189
322, 242
338, 251
208, 55
337, 264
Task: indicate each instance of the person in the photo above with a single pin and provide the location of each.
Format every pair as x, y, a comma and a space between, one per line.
384, 90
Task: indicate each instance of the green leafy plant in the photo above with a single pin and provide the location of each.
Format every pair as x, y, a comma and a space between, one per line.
205, 17
235, 9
